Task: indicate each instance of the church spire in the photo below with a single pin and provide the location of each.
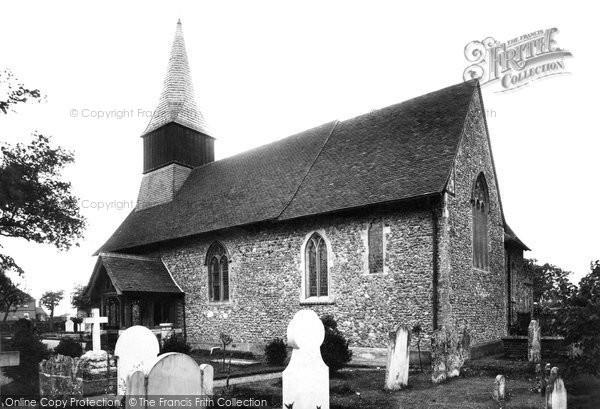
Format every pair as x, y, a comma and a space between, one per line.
177, 101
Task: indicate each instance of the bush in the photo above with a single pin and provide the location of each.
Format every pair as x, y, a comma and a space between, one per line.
174, 343
334, 350
69, 347
276, 352
33, 351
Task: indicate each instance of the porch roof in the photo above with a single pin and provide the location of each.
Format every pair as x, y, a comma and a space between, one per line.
129, 273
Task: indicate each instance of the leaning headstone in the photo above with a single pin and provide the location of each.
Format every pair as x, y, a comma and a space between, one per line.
170, 374
69, 326
136, 347
396, 374
534, 345
556, 393
306, 378
499, 388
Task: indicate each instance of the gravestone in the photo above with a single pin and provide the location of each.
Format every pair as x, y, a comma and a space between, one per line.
306, 378
499, 388
396, 374
166, 330
534, 345
207, 374
556, 393
69, 326
10, 358
450, 348
95, 320
170, 374
136, 347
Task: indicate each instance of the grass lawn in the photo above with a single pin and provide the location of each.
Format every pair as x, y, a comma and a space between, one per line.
362, 388
202, 357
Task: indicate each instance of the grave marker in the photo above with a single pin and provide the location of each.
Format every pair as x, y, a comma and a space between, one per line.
499, 388
396, 374
306, 378
556, 393
171, 374
136, 347
95, 320
10, 358
534, 347
69, 326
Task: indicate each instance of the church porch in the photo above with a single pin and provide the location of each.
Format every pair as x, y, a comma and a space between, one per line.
133, 290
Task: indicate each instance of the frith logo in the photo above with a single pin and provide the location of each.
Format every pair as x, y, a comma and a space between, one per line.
517, 62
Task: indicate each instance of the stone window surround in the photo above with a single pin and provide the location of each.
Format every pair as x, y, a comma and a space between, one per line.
330, 298
365, 238
206, 270
474, 200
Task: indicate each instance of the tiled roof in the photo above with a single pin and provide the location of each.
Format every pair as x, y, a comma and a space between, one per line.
177, 101
396, 153
139, 274
511, 237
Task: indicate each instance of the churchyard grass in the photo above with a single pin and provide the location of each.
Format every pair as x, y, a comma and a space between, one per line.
363, 388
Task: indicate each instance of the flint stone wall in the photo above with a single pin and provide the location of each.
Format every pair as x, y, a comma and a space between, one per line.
266, 267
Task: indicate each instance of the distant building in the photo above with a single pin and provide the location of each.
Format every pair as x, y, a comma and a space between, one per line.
27, 310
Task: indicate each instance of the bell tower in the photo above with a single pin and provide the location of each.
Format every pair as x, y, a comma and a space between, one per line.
176, 139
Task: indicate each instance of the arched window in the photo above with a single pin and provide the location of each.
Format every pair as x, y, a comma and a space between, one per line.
316, 267
218, 272
375, 238
481, 207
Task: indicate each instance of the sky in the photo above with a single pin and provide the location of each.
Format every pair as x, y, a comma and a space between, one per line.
263, 70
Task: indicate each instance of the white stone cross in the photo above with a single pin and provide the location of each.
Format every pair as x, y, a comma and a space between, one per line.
96, 320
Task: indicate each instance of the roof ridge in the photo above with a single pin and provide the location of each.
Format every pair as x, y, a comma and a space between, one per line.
129, 256
308, 170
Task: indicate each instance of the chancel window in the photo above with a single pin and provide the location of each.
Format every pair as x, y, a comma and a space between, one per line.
316, 267
375, 238
481, 206
218, 272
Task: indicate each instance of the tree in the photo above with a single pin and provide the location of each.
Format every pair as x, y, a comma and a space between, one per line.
551, 284
579, 323
35, 203
13, 92
552, 292
334, 349
32, 352
50, 299
79, 299
10, 295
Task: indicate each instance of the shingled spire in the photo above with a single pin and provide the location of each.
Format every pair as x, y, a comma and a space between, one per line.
176, 138
177, 100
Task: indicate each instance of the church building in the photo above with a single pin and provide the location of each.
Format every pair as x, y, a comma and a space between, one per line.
389, 218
